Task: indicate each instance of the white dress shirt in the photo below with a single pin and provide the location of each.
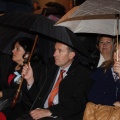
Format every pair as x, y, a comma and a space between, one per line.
101, 60
56, 101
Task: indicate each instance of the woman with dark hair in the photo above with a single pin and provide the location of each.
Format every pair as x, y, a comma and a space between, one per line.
20, 52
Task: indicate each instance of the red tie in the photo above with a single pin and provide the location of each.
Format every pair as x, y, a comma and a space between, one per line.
54, 91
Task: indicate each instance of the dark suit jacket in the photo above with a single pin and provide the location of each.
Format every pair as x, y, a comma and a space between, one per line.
73, 91
5, 65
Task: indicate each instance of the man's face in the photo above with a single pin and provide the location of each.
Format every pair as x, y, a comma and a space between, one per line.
62, 55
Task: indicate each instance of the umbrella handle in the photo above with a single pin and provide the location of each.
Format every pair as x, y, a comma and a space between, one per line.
19, 88
117, 34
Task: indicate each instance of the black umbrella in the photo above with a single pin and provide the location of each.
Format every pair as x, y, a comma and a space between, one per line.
38, 24
16, 5
8, 36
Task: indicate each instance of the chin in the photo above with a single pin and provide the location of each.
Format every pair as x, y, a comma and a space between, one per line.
57, 63
13, 59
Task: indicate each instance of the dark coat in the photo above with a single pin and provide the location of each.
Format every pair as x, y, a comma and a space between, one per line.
5, 65
9, 92
104, 90
73, 91
25, 100
11, 88
95, 58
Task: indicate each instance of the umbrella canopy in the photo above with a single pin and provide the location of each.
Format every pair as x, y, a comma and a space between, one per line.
8, 37
93, 16
38, 24
16, 5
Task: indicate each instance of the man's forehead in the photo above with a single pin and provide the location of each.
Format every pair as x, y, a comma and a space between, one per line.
58, 44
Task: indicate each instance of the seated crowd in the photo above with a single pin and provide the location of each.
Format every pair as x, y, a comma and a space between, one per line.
61, 88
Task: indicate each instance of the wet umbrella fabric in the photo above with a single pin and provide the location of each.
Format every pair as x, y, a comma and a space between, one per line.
93, 16
16, 5
8, 37
38, 24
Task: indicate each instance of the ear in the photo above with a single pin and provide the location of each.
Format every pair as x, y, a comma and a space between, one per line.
72, 55
97, 47
26, 55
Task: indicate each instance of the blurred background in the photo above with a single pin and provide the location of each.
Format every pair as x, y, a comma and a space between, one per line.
66, 3
13, 4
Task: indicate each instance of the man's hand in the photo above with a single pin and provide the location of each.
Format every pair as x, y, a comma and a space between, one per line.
27, 74
40, 113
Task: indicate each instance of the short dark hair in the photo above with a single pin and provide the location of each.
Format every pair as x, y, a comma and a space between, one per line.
25, 43
71, 49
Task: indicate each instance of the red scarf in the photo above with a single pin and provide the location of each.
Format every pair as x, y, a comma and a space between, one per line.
11, 76
2, 116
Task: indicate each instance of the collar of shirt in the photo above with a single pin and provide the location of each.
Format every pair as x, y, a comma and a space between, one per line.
101, 60
56, 101
66, 69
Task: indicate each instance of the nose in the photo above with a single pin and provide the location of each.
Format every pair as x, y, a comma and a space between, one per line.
55, 53
12, 51
105, 44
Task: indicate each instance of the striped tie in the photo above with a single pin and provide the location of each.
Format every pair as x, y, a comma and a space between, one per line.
54, 91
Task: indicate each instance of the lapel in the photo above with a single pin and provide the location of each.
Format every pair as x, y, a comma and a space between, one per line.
74, 65
51, 76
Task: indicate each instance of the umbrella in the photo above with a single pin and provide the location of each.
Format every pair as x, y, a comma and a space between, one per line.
16, 5
93, 16
38, 24
8, 36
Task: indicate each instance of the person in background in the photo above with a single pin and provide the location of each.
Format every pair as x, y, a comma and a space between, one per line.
106, 87
63, 95
20, 53
36, 8
53, 10
104, 50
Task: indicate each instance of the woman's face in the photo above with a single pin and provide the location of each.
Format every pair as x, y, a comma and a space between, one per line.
105, 45
115, 53
18, 53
